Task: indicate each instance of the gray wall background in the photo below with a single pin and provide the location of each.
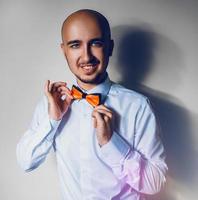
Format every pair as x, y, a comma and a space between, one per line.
156, 43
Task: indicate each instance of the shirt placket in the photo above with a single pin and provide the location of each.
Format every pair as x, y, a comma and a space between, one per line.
85, 147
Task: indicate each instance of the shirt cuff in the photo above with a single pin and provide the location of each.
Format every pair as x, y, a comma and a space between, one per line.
52, 127
115, 151
54, 123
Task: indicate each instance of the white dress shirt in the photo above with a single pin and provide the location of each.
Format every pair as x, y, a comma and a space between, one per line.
129, 166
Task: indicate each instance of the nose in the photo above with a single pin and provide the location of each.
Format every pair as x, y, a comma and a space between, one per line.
86, 54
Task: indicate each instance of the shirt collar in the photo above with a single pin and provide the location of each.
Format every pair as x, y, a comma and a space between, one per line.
102, 88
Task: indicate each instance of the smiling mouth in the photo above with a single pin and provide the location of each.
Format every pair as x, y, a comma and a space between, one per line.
89, 68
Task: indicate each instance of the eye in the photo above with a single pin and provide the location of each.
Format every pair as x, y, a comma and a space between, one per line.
97, 43
74, 45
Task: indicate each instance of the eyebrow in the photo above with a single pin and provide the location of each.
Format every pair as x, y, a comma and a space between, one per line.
78, 41
73, 42
97, 39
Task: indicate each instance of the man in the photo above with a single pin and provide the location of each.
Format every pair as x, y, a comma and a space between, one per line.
105, 136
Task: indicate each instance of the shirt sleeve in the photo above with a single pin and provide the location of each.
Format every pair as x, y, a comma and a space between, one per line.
141, 165
37, 141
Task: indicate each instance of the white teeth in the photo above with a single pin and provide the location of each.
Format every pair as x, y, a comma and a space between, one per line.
88, 67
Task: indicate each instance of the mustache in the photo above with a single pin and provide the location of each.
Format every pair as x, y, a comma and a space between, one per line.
89, 63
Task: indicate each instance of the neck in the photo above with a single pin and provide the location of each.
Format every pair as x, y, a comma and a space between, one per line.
89, 86
86, 86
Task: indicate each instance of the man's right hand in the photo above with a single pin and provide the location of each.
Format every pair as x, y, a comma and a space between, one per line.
57, 107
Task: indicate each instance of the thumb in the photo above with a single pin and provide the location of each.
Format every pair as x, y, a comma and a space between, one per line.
47, 88
94, 122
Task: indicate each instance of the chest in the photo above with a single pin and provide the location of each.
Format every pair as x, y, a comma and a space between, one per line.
76, 133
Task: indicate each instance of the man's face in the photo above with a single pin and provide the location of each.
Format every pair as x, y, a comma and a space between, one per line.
86, 49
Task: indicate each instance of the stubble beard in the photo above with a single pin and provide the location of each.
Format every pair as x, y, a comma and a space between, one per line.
95, 80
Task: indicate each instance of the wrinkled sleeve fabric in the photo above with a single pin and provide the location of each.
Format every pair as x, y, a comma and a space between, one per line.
37, 141
141, 164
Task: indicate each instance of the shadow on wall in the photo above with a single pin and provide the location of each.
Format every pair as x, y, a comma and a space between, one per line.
139, 50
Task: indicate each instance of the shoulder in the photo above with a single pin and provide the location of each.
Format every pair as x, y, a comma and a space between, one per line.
125, 95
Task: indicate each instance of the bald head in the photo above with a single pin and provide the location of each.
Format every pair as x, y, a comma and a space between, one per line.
87, 46
87, 15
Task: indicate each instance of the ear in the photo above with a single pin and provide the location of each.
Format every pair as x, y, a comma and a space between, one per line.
62, 48
111, 46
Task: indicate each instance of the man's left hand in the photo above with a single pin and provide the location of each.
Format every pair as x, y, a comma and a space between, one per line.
103, 122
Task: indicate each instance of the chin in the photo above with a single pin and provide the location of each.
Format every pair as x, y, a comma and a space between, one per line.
91, 79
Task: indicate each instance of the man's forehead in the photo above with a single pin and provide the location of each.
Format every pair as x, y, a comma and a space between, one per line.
87, 22
83, 14
81, 20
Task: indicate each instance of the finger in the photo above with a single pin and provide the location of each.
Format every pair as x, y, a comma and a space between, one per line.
60, 83
64, 96
105, 113
47, 82
55, 85
107, 119
65, 91
94, 122
62, 87
46, 88
101, 106
53, 88
98, 117
66, 100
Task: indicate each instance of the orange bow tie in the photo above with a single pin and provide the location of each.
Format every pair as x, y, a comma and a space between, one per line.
94, 99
